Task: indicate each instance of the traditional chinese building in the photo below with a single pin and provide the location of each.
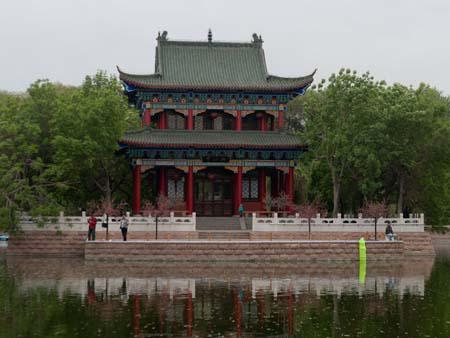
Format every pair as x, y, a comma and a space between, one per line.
212, 127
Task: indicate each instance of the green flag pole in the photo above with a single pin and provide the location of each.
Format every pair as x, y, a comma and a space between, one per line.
362, 261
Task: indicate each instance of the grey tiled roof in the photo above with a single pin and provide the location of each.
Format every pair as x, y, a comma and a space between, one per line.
148, 137
212, 65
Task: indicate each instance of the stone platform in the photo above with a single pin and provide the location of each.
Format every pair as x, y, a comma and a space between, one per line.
225, 246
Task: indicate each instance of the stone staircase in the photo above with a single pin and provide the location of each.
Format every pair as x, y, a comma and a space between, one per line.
222, 228
47, 243
219, 224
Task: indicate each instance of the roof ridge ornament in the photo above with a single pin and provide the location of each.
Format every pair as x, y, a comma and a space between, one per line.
209, 35
257, 39
162, 37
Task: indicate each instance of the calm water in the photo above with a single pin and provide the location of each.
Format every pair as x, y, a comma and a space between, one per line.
73, 298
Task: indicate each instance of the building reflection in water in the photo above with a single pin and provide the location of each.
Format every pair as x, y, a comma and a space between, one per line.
238, 301
127, 287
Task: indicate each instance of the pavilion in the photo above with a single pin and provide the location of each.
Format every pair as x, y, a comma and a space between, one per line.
212, 133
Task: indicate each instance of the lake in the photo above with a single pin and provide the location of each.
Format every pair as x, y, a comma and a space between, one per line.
74, 298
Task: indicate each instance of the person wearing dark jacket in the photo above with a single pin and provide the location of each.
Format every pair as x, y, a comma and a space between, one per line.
389, 232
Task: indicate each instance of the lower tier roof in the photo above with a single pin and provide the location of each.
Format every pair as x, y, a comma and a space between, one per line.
165, 138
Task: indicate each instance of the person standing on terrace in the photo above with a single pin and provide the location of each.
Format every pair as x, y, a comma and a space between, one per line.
124, 227
92, 222
389, 232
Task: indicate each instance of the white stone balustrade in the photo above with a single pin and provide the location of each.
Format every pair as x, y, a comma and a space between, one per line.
136, 223
415, 223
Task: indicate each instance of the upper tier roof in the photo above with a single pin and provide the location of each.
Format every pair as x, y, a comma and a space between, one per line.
197, 65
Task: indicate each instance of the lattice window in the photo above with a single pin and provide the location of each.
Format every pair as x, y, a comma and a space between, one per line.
198, 122
245, 189
250, 188
228, 122
175, 121
218, 123
175, 189
254, 188
180, 189
171, 186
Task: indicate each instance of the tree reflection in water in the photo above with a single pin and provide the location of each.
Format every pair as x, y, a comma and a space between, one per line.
71, 298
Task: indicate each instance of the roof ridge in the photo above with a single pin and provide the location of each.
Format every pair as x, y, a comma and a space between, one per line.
214, 43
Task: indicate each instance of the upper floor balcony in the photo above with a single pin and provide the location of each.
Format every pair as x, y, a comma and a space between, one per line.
213, 120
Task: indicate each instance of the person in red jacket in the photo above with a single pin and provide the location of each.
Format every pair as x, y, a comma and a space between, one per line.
92, 222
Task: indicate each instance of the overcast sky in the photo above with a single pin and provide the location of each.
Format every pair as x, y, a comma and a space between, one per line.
406, 41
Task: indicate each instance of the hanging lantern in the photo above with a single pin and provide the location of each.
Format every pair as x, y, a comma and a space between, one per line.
211, 176
213, 115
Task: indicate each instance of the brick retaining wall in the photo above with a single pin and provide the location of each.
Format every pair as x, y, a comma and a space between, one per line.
416, 243
239, 251
53, 243
71, 243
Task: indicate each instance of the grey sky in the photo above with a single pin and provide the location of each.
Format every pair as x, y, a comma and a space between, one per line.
63, 40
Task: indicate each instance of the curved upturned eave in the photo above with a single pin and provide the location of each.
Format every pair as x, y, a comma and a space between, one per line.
295, 83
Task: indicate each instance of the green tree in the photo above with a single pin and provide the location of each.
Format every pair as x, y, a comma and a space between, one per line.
25, 178
58, 146
343, 129
369, 143
417, 145
89, 125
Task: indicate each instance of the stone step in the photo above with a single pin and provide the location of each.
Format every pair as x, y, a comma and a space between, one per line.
218, 223
225, 235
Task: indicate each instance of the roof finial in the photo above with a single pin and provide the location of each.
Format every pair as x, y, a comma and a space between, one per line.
162, 37
257, 39
209, 35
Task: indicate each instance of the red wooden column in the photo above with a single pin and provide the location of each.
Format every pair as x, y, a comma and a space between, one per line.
163, 120
238, 120
190, 120
277, 182
147, 118
263, 122
290, 184
262, 187
162, 182
238, 191
136, 202
280, 119
190, 190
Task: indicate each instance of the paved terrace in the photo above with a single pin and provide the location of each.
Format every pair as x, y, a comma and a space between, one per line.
268, 238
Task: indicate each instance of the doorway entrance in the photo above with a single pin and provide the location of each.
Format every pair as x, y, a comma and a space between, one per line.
213, 192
